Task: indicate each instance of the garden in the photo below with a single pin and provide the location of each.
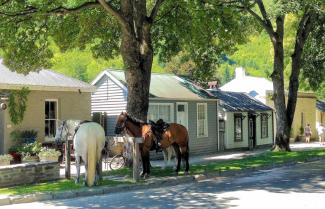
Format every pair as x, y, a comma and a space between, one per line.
26, 149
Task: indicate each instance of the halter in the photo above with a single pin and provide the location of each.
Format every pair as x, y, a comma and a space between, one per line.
120, 128
66, 129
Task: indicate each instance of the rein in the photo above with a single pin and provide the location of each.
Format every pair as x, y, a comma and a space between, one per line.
135, 122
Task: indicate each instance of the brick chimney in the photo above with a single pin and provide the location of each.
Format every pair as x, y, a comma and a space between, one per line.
213, 84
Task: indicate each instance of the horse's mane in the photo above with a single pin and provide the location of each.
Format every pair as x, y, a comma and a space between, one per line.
136, 121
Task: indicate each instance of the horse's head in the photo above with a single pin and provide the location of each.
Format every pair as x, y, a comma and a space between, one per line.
61, 132
120, 123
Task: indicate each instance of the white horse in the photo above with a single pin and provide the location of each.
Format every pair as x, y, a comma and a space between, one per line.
88, 143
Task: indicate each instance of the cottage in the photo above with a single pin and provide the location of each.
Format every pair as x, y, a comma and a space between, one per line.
261, 89
244, 122
52, 96
172, 98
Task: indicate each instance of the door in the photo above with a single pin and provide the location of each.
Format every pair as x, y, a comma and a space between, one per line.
222, 128
182, 113
2, 137
251, 131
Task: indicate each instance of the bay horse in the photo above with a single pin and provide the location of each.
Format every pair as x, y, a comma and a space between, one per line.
88, 142
137, 128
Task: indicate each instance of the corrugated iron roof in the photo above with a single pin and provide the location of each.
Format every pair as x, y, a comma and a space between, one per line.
169, 86
320, 104
241, 102
42, 80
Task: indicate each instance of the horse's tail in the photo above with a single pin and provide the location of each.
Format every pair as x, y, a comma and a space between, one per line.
91, 163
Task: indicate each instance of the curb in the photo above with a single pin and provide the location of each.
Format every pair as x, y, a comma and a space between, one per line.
152, 183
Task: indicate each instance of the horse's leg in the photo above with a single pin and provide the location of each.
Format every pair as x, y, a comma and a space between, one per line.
166, 158
98, 173
78, 169
148, 165
178, 155
144, 169
186, 158
86, 172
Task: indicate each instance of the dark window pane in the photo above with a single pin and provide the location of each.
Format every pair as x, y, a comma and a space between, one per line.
46, 110
180, 108
47, 128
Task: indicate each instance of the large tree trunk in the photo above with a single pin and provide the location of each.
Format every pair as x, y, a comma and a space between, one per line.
282, 128
137, 53
303, 31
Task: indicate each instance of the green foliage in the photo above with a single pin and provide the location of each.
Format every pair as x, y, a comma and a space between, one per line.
25, 136
313, 70
30, 149
178, 27
18, 104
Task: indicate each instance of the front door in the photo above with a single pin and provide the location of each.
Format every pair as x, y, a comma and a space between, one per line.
222, 129
251, 131
2, 137
181, 113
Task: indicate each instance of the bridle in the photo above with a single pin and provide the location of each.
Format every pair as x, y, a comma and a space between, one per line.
65, 127
122, 127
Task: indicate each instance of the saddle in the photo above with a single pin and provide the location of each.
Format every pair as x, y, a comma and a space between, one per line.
158, 128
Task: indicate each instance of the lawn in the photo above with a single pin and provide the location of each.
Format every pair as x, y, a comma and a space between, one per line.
264, 159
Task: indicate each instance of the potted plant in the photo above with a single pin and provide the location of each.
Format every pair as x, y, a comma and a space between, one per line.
14, 151
5, 159
47, 154
30, 152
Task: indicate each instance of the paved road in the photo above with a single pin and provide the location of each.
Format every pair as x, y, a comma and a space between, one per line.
301, 186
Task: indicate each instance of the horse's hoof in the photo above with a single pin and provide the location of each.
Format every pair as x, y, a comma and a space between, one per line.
186, 173
146, 176
142, 174
76, 181
176, 173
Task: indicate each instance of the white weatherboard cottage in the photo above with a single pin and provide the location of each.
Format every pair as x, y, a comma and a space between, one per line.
261, 89
244, 122
172, 99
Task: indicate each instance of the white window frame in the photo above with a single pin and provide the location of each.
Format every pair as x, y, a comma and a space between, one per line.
205, 120
265, 116
57, 116
171, 116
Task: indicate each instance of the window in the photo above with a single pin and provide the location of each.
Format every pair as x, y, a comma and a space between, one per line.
264, 125
202, 120
161, 111
238, 127
50, 118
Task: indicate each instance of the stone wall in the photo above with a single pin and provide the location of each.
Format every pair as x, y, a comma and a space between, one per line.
27, 173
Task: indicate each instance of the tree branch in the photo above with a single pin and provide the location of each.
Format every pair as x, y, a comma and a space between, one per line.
155, 10
58, 10
110, 9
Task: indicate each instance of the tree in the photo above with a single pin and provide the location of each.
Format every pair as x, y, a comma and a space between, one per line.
131, 28
272, 21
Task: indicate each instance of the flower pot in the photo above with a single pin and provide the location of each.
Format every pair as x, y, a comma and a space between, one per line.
49, 159
16, 156
30, 159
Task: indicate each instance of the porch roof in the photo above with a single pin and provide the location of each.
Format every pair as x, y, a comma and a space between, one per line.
320, 104
239, 102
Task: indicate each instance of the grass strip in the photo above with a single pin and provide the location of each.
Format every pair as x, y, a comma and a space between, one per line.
263, 159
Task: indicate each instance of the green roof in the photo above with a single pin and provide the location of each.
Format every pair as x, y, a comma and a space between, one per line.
169, 86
